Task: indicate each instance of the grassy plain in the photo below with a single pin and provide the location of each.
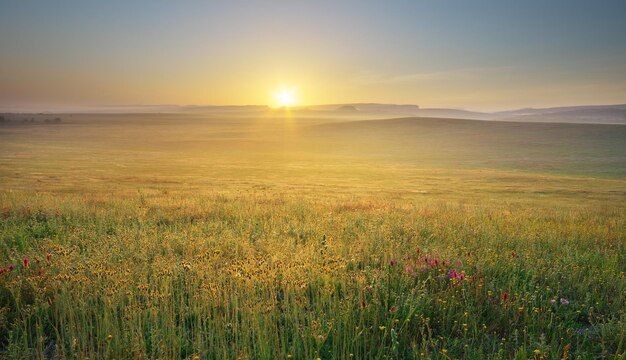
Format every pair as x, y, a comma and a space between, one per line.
273, 236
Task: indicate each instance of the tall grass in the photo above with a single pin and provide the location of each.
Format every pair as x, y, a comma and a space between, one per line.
255, 276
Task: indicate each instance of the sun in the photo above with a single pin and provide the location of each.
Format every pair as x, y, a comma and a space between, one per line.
286, 97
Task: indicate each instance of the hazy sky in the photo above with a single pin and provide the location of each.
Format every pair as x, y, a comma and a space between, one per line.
481, 55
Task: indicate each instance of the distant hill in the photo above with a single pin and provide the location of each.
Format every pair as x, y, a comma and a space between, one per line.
591, 114
602, 114
584, 149
588, 114
347, 108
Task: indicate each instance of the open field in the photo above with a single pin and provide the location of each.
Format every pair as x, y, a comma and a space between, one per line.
271, 237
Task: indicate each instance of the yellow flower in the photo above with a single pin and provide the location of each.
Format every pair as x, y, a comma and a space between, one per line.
109, 337
289, 356
382, 327
537, 351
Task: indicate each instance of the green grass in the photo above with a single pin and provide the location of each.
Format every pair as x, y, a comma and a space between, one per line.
185, 237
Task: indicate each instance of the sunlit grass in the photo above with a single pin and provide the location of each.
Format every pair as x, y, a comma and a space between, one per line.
151, 252
227, 276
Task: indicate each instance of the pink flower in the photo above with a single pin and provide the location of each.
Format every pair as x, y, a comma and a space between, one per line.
553, 301
455, 275
409, 270
26, 263
11, 267
564, 301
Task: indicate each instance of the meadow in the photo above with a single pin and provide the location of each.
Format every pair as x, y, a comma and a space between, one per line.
283, 236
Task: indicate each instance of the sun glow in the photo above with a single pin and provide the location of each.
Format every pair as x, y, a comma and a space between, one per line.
286, 97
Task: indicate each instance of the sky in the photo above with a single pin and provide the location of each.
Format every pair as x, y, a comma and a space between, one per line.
476, 55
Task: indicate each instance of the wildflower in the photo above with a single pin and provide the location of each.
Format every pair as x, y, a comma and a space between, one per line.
445, 351
435, 262
536, 351
197, 357
11, 267
26, 263
363, 304
393, 309
109, 337
513, 254
564, 301
289, 356
37, 261
409, 270
553, 301
392, 262
39, 271
505, 296
382, 327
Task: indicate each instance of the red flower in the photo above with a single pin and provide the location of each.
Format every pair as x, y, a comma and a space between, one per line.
11, 267
513, 254
37, 261
392, 262
452, 274
505, 296
26, 263
363, 304
39, 271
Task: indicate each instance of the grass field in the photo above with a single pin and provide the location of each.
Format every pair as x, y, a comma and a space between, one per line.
275, 237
